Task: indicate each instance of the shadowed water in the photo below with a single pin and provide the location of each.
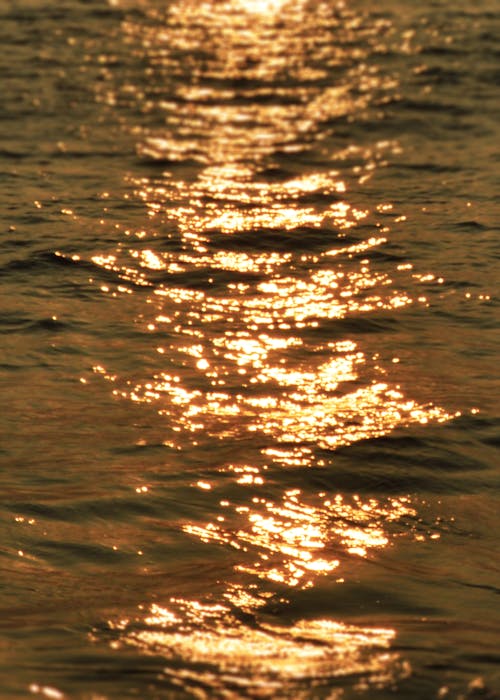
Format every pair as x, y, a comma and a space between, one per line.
249, 333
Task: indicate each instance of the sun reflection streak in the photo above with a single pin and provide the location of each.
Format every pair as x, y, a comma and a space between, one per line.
327, 405
294, 542
260, 6
222, 200
224, 658
246, 77
258, 269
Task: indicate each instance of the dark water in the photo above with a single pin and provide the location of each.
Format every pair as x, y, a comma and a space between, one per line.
249, 326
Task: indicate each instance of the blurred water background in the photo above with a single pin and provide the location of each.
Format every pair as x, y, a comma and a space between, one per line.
249, 332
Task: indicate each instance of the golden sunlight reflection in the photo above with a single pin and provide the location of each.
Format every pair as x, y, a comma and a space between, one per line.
343, 398
296, 301
256, 272
260, 6
224, 657
248, 77
308, 415
228, 200
292, 542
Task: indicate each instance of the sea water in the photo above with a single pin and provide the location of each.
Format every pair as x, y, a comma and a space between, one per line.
249, 362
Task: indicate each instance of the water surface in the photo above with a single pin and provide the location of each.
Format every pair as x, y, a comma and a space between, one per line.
249, 333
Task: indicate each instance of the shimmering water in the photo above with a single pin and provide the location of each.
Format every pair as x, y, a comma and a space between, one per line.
249, 331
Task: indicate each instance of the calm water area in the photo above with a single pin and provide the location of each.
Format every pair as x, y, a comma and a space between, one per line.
249, 325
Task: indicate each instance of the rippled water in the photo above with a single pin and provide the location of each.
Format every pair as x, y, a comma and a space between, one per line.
249, 332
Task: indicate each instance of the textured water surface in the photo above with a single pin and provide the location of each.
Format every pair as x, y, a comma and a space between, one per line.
249, 327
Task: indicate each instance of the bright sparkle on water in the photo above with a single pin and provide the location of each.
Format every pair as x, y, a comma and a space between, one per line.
242, 361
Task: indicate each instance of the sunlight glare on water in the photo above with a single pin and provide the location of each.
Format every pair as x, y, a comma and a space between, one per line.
274, 294
248, 350
241, 352
263, 660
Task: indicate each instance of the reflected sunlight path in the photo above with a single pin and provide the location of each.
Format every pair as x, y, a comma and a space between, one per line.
254, 250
